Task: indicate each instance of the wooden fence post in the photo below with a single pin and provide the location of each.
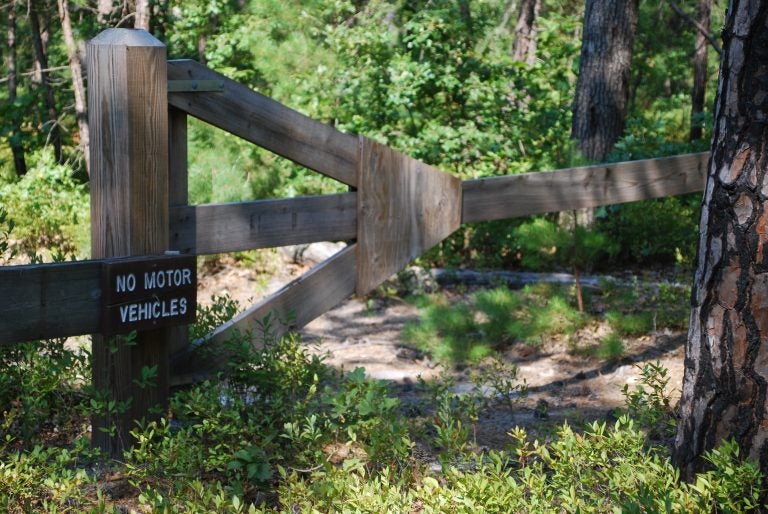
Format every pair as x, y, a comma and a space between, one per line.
128, 116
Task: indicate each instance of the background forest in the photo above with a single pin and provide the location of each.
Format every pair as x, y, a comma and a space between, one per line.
477, 88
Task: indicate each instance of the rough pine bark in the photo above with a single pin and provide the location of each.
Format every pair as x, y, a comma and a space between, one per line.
725, 387
524, 49
602, 89
700, 52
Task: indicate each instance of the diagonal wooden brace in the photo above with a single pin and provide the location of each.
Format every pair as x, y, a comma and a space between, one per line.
405, 207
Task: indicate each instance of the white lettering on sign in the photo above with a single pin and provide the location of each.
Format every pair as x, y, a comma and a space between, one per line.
153, 309
167, 278
126, 283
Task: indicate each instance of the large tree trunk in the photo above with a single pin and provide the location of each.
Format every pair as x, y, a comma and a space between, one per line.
602, 90
725, 388
700, 69
76, 70
524, 49
41, 59
19, 162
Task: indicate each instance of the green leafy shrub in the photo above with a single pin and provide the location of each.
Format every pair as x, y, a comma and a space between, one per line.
41, 390
50, 208
650, 402
222, 309
605, 469
663, 231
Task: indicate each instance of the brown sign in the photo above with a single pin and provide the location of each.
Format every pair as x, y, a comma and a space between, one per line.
140, 293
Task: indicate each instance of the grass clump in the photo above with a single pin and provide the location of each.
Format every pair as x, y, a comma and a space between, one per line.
631, 324
489, 320
610, 348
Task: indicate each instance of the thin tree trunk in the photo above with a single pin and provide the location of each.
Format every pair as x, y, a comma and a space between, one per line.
50, 100
506, 15
577, 284
142, 15
524, 49
78, 86
696, 24
602, 89
466, 15
700, 52
725, 387
19, 161
103, 11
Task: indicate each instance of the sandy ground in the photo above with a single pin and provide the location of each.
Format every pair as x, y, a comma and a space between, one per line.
367, 333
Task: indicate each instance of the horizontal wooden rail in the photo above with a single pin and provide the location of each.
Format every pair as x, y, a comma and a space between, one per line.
218, 228
53, 300
575, 188
267, 123
304, 299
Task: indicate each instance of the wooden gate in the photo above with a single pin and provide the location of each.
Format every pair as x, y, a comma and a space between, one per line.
398, 209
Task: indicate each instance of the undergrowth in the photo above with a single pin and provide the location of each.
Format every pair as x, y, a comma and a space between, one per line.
470, 328
279, 431
489, 320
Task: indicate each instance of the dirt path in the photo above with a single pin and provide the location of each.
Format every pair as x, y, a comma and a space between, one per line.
565, 384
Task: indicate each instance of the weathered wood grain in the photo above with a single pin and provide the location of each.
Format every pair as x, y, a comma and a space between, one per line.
178, 174
47, 301
575, 188
295, 305
217, 228
404, 208
267, 123
128, 116
178, 195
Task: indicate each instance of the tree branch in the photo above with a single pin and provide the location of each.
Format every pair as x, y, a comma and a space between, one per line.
695, 24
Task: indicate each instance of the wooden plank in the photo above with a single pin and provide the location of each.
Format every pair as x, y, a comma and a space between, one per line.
405, 207
178, 195
576, 188
128, 116
217, 228
301, 301
267, 123
50, 300
178, 180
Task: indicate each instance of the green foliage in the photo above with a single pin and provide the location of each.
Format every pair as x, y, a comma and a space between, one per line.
435, 81
44, 479
50, 209
497, 380
286, 433
630, 324
40, 389
544, 242
650, 402
604, 469
6, 227
634, 309
663, 231
456, 332
222, 309
611, 348
732, 484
